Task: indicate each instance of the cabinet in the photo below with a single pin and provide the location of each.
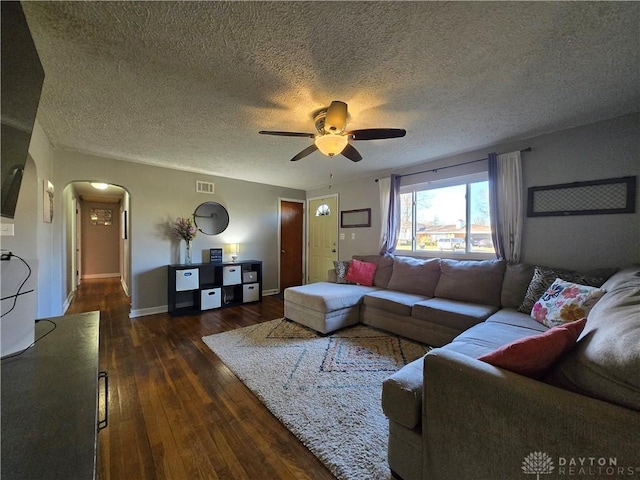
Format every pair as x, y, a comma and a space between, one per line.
198, 287
50, 402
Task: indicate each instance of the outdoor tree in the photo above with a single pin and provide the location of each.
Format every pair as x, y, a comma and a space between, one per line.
480, 203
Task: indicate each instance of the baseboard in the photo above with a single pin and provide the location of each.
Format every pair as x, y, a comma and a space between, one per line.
142, 312
100, 275
67, 302
274, 291
124, 287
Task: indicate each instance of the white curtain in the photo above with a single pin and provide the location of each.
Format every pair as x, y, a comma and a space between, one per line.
384, 185
511, 202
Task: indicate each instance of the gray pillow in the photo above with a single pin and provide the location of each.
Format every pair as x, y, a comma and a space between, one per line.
606, 360
471, 281
414, 275
517, 277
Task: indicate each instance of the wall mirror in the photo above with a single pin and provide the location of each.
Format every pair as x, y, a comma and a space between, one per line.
211, 218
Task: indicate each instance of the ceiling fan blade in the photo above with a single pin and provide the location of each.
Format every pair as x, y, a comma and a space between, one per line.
336, 118
377, 133
287, 134
351, 153
307, 151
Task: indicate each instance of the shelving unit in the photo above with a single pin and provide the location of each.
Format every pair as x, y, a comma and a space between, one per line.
204, 286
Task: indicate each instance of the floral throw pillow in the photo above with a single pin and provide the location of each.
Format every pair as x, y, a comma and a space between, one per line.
341, 270
565, 302
543, 277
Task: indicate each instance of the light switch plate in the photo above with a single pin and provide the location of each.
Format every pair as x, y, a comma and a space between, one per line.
6, 229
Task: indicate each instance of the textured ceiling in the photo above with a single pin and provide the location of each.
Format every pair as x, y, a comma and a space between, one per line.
189, 84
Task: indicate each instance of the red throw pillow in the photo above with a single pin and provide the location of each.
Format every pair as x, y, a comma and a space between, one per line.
361, 273
532, 356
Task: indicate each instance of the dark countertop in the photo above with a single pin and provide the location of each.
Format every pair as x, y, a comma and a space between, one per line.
49, 401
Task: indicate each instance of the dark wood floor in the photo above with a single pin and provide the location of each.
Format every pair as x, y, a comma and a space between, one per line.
175, 410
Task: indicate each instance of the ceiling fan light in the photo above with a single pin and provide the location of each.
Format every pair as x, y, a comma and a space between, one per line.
331, 145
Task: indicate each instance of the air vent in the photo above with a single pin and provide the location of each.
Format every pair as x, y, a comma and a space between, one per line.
204, 187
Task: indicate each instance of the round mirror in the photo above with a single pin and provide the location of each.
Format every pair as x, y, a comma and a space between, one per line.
211, 218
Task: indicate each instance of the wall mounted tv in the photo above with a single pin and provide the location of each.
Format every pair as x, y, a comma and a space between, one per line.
22, 78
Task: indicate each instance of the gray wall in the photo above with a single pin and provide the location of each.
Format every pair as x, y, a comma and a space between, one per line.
602, 150
158, 196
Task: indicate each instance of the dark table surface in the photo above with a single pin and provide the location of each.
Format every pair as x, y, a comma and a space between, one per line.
49, 402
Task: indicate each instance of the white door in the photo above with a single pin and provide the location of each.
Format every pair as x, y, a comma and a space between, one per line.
323, 237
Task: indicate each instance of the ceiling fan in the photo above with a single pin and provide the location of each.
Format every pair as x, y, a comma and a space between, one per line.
332, 139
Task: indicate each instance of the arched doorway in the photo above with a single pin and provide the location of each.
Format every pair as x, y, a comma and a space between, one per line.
98, 233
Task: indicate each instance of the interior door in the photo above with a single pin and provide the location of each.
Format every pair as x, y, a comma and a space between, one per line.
291, 243
323, 236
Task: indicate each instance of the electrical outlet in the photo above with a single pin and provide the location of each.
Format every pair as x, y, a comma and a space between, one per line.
6, 229
342, 236
353, 236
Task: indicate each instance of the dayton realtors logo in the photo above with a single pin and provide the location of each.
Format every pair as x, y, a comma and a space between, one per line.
540, 463
537, 463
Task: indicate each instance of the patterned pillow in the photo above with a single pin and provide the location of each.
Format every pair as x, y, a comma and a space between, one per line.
565, 302
341, 270
543, 277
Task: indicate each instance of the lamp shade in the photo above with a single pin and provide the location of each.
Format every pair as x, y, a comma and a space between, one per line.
331, 145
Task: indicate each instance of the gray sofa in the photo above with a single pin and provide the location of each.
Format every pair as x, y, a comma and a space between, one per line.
428, 300
452, 416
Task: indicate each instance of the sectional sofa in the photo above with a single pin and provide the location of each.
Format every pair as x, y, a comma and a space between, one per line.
453, 415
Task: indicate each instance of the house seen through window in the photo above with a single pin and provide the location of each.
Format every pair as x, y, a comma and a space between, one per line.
449, 217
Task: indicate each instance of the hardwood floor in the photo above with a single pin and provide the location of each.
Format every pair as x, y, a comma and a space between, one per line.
175, 410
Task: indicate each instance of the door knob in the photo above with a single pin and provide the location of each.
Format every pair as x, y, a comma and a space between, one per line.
282, 251
333, 250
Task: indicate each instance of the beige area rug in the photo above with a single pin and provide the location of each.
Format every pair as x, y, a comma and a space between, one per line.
325, 390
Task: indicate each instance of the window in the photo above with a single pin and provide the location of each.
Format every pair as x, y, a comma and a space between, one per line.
446, 217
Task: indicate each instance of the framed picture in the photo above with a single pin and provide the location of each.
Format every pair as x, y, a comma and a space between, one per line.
596, 197
101, 216
355, 218
215, 255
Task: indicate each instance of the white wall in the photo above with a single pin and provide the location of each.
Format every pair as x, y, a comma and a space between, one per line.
158, 196
602, 150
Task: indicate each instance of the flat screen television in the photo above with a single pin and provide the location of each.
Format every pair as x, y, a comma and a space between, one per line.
22, 77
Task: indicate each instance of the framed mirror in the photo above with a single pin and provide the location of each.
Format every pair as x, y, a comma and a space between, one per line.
355, 218
211, 218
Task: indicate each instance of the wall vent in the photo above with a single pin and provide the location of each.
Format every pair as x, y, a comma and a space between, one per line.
204, 187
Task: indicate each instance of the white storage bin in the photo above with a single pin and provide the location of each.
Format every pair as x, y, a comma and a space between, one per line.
210, 298
187, 279
251, 292
231, 275
249, 277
